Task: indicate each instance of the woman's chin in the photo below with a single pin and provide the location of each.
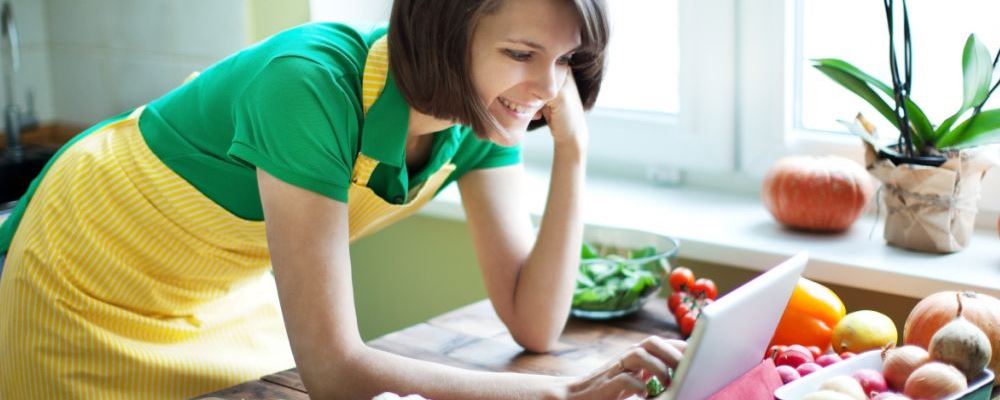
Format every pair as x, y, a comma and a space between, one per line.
508, 138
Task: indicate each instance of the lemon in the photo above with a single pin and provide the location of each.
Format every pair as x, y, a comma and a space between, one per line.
863, 330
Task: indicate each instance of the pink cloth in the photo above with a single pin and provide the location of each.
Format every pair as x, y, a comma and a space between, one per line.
757, 384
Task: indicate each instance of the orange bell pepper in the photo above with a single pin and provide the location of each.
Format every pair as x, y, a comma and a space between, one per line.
812, 313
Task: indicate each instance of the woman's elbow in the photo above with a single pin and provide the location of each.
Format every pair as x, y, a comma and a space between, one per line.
535, 341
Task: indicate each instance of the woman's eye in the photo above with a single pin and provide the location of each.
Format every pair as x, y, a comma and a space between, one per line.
518, 55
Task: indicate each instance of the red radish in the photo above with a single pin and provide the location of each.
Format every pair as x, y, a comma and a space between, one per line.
787, 373
828, 359
871, 381
845, 355
815, 351
808, 368
804, 349
793, 357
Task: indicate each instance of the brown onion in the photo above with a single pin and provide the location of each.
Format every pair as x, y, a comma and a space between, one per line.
961, 344
935, 380
898, 363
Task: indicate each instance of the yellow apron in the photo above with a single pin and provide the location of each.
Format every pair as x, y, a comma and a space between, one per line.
124, 281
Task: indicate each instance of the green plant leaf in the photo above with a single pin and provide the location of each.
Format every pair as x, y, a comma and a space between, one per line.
921, 125
860, 88
977, 72
980, 129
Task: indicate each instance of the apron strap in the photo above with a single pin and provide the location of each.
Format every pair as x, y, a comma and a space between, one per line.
372, 83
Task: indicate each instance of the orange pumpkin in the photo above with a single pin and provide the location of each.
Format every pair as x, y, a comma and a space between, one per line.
938, 309
825, 194
810, 316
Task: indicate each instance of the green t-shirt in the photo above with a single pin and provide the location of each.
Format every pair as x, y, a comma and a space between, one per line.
291, 105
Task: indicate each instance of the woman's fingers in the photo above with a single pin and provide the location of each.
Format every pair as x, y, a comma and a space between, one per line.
639, 359
620, 387
670, 351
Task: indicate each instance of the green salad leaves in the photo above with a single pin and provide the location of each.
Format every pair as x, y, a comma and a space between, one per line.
609, 281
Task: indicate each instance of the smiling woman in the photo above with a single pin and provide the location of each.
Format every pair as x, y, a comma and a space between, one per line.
282, 155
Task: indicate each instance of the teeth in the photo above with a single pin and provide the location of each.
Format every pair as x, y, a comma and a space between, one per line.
513, 107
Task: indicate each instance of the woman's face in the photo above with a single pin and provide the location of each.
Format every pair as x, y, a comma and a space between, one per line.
520, 59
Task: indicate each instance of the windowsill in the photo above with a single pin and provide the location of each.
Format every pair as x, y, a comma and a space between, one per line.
737, 230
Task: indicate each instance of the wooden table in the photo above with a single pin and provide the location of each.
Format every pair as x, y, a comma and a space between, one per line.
473, 337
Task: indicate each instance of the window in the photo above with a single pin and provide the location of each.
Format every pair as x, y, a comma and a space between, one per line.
787, 107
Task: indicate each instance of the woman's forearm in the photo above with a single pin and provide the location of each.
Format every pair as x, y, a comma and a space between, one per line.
368, 372
545, 284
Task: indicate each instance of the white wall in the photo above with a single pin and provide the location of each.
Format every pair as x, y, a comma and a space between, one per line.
34, 73
111, 55
350, 10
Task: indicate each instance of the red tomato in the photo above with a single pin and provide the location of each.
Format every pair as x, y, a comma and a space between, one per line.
704, 285
675, 299
687, 323
681, 310
681, 279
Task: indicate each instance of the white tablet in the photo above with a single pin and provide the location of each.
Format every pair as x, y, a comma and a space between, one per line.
732, 334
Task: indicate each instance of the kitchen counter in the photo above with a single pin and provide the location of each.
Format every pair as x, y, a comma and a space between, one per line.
472, 337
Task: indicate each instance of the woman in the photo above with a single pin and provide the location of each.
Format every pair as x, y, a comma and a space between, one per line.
137, 266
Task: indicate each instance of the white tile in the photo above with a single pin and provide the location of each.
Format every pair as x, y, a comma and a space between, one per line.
81, 85
209, 28
29, 16
141, 79
79, 22
142, 26
35, 77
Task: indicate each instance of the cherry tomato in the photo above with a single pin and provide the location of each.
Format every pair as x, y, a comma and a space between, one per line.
687, 323
681, 310
681, 279
675, 299
704, 285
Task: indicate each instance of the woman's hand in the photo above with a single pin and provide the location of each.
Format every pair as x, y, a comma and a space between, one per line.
627, 375
564, 115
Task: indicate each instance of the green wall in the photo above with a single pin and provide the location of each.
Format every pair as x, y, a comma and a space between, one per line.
424, 266
267, 17
411, 271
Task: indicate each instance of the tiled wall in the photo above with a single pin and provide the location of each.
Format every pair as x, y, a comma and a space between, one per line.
34, 74
111, 55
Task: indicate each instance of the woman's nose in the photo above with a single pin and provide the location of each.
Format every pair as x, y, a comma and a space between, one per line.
547, 80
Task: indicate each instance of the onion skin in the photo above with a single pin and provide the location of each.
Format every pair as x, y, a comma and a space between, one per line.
846, 385
900, 362
963, 345
934, 381
938, 309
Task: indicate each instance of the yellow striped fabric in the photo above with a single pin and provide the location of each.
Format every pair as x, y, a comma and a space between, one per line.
368, 212
123, 281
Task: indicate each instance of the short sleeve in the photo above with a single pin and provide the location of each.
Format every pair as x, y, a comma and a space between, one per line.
499, 156
299, 121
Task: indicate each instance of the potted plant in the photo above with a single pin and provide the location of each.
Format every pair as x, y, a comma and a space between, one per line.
932, 175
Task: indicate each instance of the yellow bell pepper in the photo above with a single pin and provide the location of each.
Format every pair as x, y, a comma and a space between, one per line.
812, 313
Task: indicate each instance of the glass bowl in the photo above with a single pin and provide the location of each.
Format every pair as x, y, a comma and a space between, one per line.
620, 269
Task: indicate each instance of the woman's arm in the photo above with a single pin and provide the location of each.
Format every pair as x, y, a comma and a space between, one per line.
531, 285
308, 239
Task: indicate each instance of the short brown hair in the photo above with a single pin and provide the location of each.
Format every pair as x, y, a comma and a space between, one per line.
429, 58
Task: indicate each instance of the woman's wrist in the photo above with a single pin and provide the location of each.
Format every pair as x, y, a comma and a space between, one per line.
572, 146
